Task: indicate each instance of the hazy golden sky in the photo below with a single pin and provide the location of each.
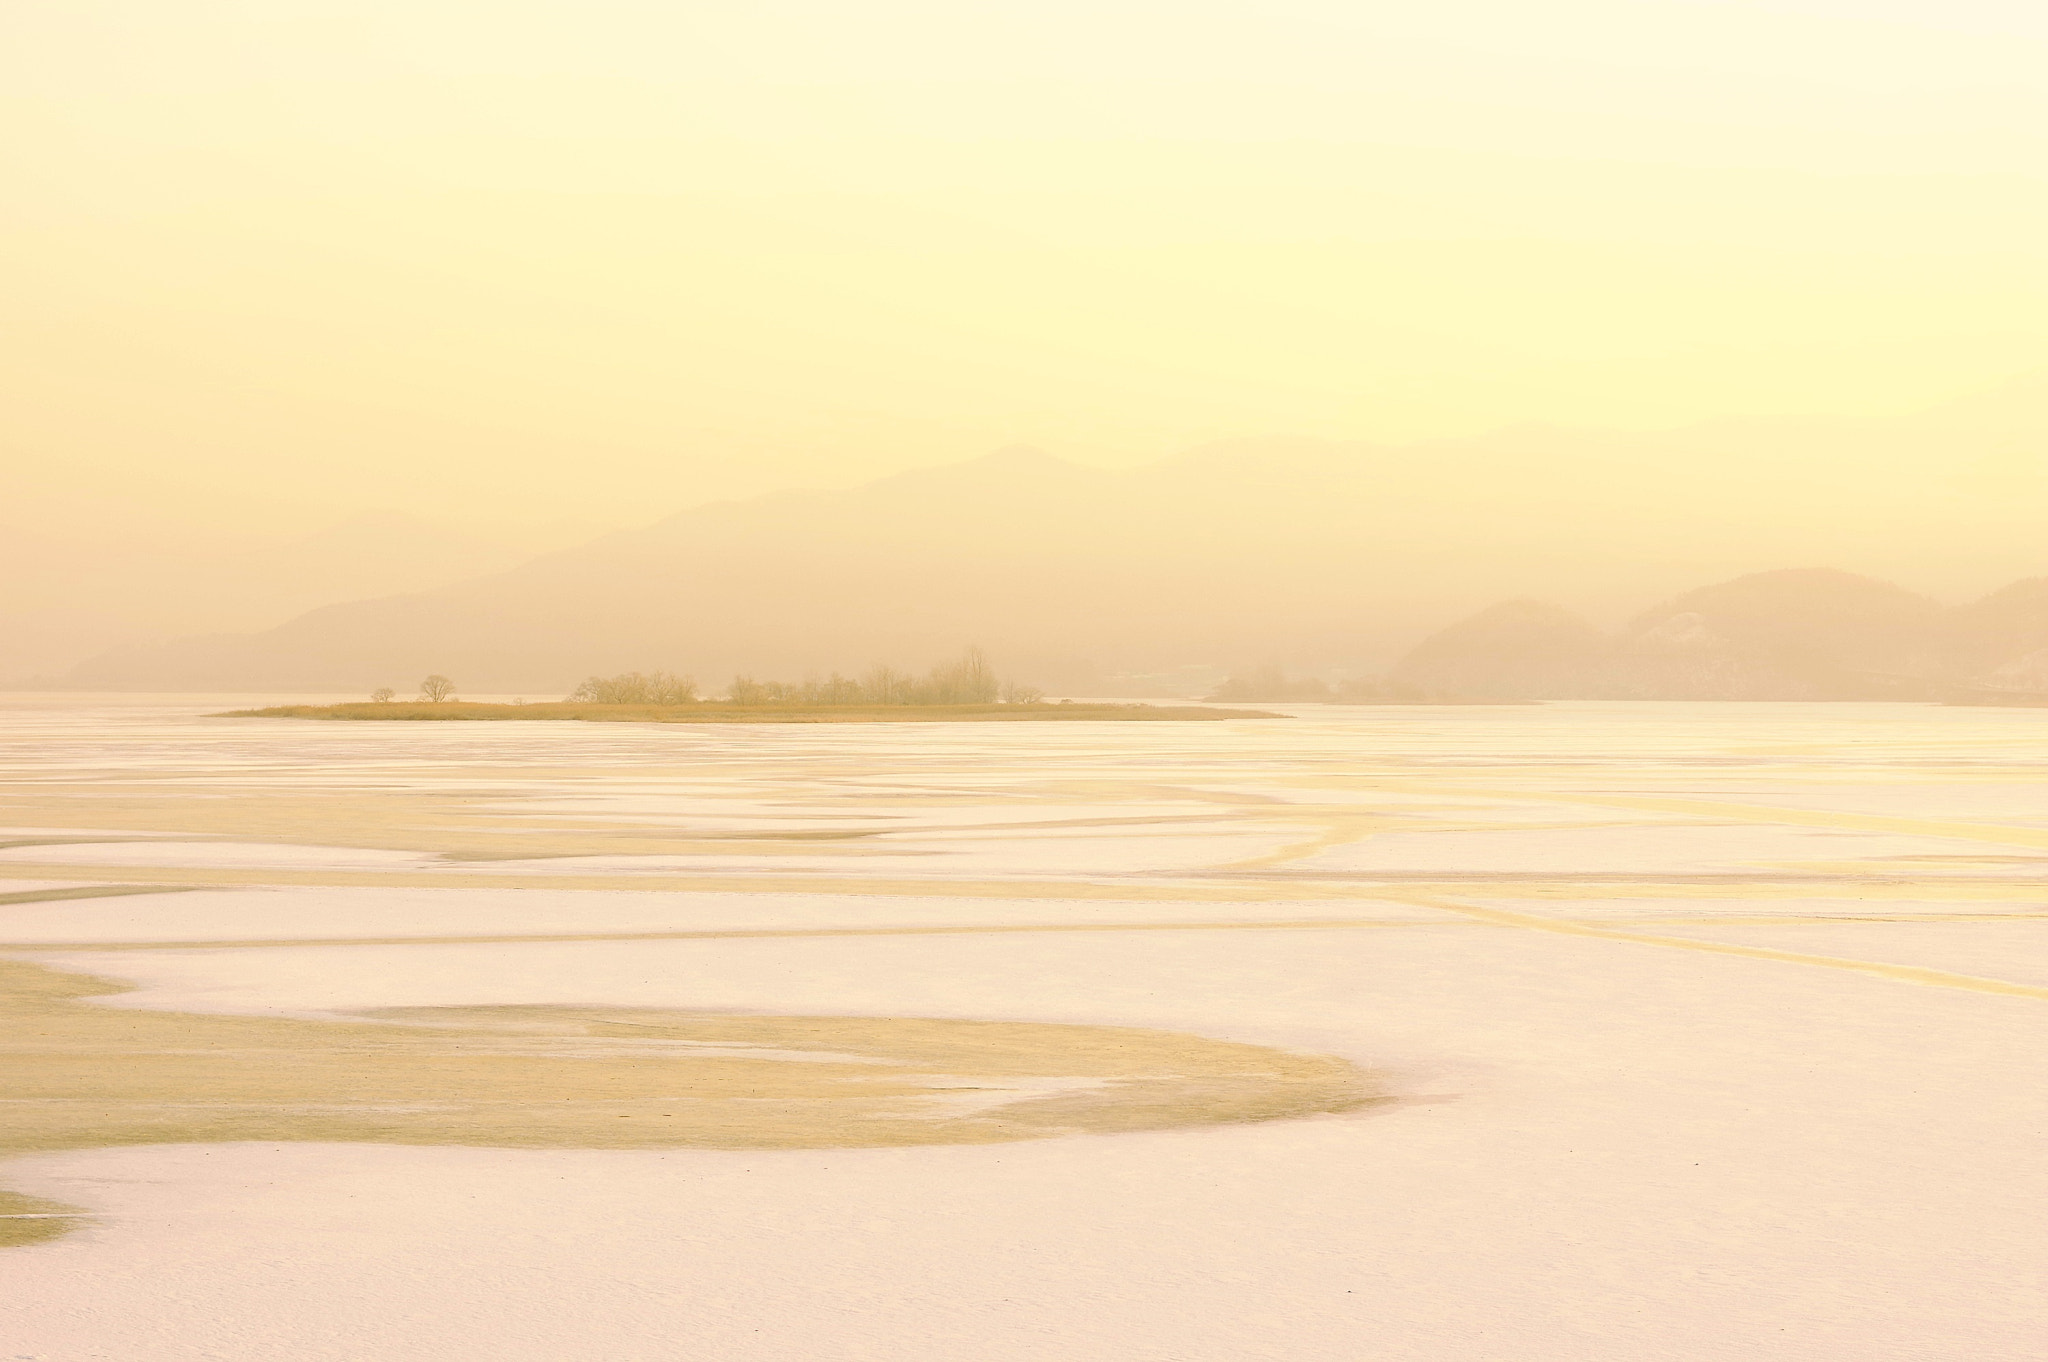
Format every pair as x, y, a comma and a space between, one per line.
514, 261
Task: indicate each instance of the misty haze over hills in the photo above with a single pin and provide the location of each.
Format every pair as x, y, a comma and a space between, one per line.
1322, 556
70, 597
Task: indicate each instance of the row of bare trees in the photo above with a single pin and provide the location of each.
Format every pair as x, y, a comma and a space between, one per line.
968, 680
634, 688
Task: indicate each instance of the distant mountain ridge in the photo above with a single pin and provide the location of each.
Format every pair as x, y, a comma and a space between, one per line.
1317, 555
1801, 634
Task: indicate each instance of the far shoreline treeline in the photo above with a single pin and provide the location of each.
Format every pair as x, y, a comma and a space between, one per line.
966, 690
968, 680
724, 712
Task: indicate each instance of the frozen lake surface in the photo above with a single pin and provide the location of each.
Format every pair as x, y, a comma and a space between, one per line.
1715, 1031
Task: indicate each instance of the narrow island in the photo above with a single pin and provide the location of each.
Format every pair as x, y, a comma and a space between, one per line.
966, 691
721, 712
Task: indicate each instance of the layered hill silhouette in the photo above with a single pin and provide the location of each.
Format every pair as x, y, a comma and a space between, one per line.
1069, 576
1324, 556
1810, 634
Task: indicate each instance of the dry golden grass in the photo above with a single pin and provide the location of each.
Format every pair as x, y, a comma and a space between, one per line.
719, 712
85, 1076
31, 1220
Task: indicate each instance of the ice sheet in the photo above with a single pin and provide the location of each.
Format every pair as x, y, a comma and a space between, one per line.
1607, 850
287, 914
209, 855
2016, 949
1604, 1151
1610, 1151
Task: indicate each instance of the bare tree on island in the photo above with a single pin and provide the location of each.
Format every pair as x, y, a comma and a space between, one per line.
437, 688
